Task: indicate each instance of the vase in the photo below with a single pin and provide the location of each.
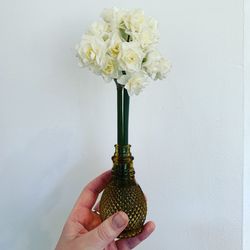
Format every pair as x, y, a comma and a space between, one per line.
122, 192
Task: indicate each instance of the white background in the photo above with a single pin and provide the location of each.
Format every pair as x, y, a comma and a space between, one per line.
246, 186
58, 123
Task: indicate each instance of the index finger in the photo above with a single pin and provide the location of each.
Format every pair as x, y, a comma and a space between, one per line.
90, 193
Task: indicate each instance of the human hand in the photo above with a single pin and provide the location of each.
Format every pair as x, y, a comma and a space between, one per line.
84, 229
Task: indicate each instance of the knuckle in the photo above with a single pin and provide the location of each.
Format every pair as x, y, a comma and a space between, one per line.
103, 233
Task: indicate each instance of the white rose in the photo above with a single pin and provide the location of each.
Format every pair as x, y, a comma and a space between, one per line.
130, 57
134, 83
156, 66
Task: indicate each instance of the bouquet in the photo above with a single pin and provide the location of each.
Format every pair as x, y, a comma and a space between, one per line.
122, 46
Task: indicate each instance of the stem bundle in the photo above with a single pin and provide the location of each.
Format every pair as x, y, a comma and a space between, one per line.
122, 114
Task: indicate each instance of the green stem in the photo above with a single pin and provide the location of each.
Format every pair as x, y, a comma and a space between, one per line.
122, 114
126, 115
122, 111
120, 129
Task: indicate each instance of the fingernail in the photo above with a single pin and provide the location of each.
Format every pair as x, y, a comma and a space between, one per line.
119, 220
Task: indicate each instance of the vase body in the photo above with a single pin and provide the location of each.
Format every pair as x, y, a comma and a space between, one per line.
124, 194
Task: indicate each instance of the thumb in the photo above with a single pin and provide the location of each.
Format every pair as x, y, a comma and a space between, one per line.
106, 232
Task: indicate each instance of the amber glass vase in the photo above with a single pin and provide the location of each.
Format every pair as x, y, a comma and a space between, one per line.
123, 193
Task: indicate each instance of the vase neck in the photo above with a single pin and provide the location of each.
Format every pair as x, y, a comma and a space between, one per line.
123, 168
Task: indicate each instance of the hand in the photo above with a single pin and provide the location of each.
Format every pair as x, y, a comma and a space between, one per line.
84, 230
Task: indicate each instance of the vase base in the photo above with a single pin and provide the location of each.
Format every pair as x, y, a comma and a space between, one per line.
129, 199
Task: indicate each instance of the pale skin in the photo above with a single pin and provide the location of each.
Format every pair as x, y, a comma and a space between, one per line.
84, 229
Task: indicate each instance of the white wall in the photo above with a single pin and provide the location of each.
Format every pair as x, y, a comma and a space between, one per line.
246, 209
58, 124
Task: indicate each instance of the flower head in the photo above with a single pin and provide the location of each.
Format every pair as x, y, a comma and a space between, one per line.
134, 83
156, 66
115, 44
122, 46
130, 57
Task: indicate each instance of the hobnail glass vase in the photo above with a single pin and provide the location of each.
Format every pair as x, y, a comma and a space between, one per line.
123, 193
